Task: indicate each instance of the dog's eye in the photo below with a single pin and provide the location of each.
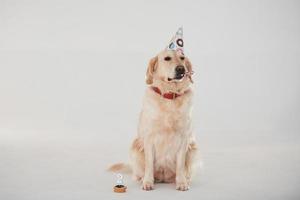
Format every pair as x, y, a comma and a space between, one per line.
182, 58
168, 58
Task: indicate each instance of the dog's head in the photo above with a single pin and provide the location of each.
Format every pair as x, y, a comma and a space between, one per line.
169, 67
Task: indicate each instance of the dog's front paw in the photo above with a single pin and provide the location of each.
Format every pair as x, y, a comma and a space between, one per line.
182, 185
148, 185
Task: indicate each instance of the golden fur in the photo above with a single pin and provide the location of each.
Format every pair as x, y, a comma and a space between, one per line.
164, 149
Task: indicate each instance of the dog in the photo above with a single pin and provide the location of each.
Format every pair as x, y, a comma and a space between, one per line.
165, 148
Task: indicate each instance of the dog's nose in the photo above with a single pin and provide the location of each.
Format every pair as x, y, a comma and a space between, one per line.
180, 69
179, 72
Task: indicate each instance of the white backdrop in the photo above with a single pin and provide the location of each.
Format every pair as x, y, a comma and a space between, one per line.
72, 80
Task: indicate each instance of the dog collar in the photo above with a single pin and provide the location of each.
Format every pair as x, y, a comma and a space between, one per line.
169, 95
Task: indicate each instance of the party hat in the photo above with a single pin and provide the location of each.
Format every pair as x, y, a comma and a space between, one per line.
176, 42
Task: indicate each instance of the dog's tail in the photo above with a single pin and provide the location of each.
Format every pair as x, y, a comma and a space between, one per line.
121, 168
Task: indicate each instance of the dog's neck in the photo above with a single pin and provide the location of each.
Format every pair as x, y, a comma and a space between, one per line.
168, 95
171, 87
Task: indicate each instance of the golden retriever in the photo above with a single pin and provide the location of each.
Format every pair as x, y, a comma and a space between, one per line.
165, 148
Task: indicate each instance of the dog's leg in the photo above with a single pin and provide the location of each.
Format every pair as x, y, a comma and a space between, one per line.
189, 160
181, 180
148, 181
138, 166
137, 158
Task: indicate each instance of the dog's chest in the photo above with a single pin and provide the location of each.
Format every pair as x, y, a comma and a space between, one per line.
166, 125
171, 117
165, 117
171, 126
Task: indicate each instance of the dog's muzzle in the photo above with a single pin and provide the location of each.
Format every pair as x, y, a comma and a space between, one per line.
179, 72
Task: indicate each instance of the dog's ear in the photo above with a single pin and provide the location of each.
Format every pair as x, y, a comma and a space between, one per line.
189, 68
151, 68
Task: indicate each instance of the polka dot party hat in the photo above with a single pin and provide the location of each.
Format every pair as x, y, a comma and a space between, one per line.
176, 42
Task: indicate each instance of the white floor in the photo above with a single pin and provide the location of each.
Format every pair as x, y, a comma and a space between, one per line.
48, 165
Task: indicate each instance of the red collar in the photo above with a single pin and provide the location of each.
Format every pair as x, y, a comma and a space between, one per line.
169, 95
